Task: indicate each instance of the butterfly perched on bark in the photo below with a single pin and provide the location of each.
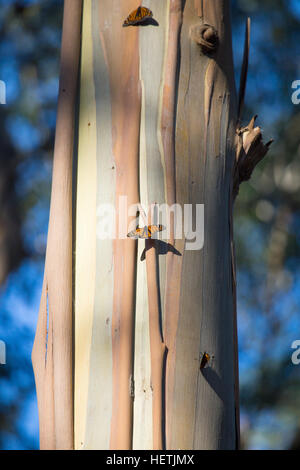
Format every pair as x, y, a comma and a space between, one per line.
145, 232
205, 360
139, 15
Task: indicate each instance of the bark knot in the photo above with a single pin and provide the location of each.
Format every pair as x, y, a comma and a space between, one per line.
206, 36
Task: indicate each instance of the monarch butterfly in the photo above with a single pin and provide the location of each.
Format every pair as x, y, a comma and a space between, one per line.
145, 232
205, 360
138, 16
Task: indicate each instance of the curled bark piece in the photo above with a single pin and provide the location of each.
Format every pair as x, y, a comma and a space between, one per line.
250, 151
206, 36
157, 348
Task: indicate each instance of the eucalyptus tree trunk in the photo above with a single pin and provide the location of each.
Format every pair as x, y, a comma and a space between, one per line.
154, 322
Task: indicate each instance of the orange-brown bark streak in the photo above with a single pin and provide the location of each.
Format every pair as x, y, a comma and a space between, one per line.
53, 357
174, 263
157, 346
121, 51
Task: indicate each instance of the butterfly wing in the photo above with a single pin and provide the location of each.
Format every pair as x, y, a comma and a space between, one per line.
152, 229
135, 233
148, 231
139, 233
145, 13
145, 232
130, 18
204, 361
137, 16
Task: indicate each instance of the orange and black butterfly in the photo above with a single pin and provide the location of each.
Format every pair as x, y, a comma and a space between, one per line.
205, 360
145, 232
138, 16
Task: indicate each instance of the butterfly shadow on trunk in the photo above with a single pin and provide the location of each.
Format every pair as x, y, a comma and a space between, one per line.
162, 248
147, 22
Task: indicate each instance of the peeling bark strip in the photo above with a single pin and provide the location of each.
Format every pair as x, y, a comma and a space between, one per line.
199, 7
157, 347
168, 102
250, 151
149, 429
53, 374
174, 263
42, 359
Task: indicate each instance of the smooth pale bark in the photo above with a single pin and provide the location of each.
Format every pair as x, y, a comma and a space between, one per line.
113, 72
93, 274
